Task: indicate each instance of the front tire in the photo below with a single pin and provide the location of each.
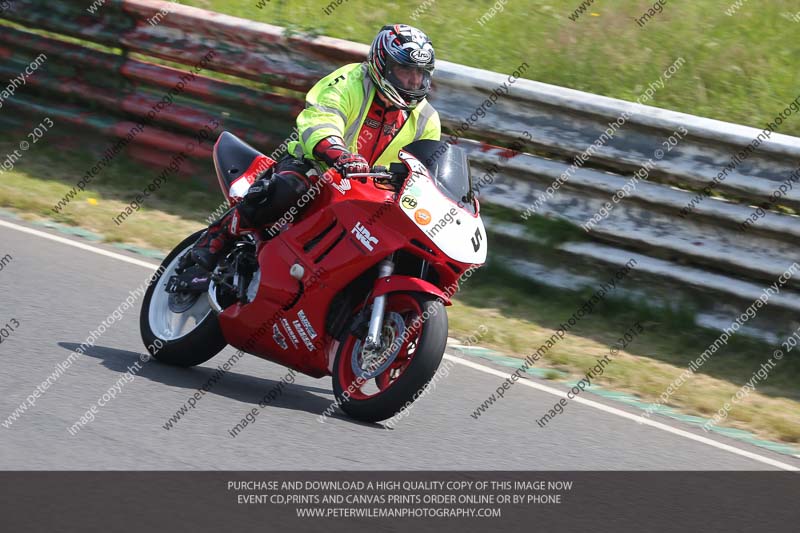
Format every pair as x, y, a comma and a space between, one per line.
376, 395
168, 335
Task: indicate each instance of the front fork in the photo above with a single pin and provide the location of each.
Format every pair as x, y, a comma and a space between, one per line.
373, 340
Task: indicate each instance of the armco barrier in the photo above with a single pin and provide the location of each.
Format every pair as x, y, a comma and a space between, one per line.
702, 257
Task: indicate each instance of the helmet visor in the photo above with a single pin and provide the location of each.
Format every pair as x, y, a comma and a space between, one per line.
413, 80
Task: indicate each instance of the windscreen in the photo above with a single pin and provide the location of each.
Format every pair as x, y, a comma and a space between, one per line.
449, 168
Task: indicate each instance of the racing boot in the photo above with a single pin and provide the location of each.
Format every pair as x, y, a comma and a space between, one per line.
218, 240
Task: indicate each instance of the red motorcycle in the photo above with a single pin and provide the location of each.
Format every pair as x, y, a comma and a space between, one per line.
354, 286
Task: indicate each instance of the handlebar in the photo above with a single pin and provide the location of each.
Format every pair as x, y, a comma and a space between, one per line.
381, 177
377, 172
364, 175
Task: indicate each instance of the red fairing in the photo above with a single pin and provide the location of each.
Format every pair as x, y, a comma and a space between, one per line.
347, 228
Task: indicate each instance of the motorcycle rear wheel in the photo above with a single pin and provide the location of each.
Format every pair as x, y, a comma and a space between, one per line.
169, 336
372, 396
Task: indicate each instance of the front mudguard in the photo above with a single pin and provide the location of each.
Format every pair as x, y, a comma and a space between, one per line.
408, 284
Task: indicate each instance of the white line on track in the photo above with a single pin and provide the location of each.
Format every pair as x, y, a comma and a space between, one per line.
544, 388
76, 244
624, 414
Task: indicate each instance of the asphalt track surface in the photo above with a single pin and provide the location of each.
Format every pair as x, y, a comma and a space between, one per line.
60, 292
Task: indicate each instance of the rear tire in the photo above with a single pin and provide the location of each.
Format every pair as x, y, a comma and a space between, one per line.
195, 347
420, 366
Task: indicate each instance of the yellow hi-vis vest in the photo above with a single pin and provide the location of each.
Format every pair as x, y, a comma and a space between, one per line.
338, 104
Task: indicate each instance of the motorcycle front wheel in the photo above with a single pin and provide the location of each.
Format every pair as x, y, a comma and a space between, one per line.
374, 386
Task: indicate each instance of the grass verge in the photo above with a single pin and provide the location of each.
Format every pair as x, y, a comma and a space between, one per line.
738, 68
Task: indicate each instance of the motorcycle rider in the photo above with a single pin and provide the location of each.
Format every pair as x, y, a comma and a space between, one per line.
352, 121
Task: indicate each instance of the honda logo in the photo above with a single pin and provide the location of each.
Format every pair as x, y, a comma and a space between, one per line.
364, 235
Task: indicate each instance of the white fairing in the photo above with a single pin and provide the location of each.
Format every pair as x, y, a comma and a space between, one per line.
457, 233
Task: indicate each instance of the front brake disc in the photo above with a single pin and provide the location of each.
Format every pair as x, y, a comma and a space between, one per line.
393, 328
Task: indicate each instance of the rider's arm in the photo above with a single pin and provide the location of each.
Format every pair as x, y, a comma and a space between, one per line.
334, 153
328, 108
330, 149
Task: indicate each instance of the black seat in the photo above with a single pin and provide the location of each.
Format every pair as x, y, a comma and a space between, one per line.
232, 156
